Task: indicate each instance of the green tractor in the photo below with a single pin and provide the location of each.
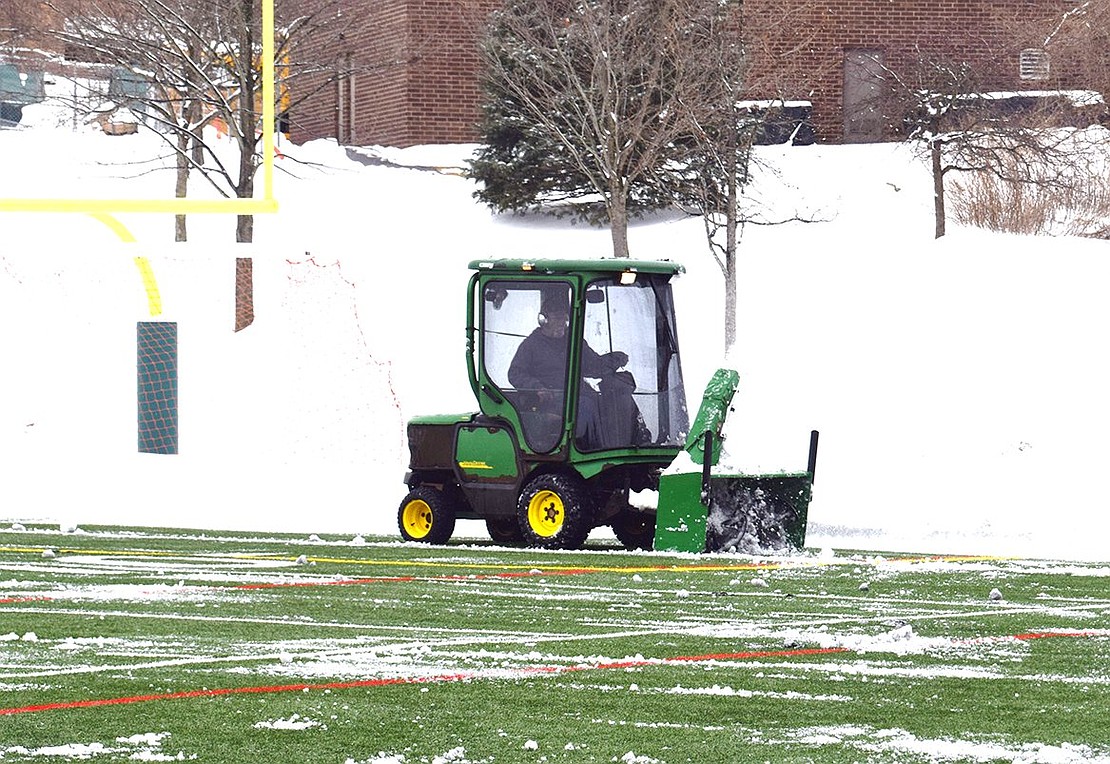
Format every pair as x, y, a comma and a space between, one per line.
575, 367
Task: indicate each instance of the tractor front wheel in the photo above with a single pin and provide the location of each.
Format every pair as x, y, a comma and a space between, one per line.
426, 515
555, 512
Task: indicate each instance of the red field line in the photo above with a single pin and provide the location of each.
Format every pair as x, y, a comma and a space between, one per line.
1051, 634
341, 582
1030, 635
214, 693
227, 691
13, 600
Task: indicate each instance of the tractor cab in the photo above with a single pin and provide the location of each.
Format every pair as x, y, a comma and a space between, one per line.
582, 358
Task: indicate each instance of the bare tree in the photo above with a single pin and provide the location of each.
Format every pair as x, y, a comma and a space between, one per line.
717, 153
729, 153
962, 127
192, 63
758, 50
691, 142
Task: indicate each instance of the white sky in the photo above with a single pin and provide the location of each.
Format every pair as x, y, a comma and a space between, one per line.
959, 385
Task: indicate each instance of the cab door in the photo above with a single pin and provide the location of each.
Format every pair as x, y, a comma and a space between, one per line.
524, 359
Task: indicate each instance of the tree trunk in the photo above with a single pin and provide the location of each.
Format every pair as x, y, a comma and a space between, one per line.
244, 188
181, 186
196, 133
618, 219
244, 275
731, 225
244, 229
938, 185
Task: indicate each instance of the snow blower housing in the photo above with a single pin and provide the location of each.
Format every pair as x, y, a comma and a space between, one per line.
575, 367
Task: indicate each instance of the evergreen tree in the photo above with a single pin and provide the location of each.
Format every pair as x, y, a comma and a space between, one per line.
591, 101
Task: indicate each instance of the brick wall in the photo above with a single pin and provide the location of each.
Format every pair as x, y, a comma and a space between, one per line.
988, 35
416, 67
413, 73
23, 36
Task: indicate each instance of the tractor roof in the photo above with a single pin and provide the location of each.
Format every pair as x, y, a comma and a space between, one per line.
559, 267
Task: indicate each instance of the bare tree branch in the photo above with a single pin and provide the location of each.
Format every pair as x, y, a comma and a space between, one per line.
192, 64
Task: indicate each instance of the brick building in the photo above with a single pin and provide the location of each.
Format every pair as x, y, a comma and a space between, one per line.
408, 70
405, 72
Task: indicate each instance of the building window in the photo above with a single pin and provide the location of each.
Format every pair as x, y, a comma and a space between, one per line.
1033, 64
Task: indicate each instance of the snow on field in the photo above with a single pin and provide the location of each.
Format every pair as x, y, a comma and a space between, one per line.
139, 747
294, 722
959, 385
864, 647
896, 741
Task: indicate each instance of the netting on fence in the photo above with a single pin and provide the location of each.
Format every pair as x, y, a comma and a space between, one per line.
156, 360
244, 293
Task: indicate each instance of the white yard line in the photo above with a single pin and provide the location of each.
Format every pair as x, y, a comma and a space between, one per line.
465, 637
740, 627
871, 668
242, 619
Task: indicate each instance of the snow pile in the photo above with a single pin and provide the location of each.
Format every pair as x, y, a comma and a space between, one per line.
140, 747
884, 742
294, 722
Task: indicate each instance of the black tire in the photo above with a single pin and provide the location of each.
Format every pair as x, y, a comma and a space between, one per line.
555, 512
426, 515
504, 530
635, 530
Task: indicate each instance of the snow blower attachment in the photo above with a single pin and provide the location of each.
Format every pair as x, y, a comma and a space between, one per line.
704, 511
582, 407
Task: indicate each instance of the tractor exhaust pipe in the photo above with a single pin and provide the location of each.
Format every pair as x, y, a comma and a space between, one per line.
812, 464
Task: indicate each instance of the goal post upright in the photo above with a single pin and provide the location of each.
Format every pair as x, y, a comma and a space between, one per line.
268, 116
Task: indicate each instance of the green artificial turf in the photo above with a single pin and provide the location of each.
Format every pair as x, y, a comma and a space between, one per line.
221, 647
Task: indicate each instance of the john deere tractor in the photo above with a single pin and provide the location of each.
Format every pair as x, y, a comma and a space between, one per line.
575, 368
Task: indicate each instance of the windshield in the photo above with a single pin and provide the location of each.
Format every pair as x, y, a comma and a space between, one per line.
644, 403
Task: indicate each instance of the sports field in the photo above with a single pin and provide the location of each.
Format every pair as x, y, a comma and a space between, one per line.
163, 645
